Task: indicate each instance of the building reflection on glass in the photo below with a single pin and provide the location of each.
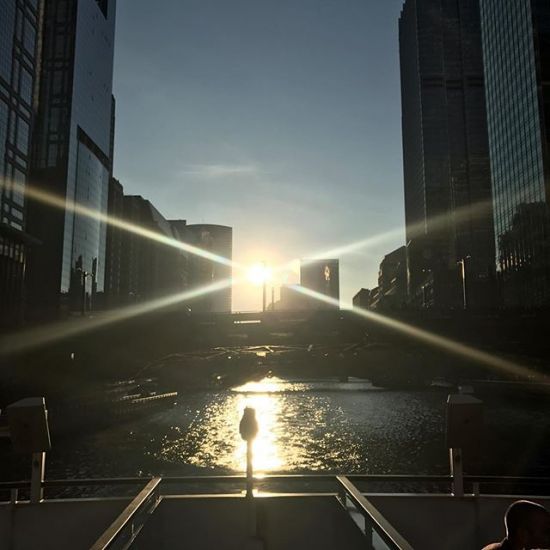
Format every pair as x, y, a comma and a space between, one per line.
517, 69
524, 255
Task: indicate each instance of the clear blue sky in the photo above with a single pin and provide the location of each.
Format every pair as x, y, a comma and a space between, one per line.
280, 118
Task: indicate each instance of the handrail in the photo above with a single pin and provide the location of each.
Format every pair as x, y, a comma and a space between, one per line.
94, 482
114, 530
384, 529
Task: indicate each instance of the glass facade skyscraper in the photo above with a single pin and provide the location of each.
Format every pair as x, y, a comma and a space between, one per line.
516, 49
19, 49
71, 156
447, 180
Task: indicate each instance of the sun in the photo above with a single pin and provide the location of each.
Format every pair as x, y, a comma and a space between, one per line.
259, 273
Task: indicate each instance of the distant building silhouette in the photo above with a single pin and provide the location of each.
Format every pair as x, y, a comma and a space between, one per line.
448, 205
323, 277
217, 239
516, 48
115, 244
291, 299
362, 299
19, 62
71, 154
149, 269
392, 279
391, 292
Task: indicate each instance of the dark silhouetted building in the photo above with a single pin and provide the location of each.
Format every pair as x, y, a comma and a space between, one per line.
149, 268
215, 239
323, 277
115, 243
20, 23
362, 299
291, 299
448, 207
516, 48
71, 154
392, 279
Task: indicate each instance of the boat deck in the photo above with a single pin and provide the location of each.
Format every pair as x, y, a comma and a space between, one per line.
196, 513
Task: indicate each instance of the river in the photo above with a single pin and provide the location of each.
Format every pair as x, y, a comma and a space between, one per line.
305, 426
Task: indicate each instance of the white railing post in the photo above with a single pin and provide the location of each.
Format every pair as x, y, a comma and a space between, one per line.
37, 476
455, 457
249, 470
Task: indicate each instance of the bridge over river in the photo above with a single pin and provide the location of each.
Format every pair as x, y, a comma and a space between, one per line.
314, 343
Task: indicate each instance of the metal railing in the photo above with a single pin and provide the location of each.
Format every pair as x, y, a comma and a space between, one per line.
324, 483
350, 489
122, 532
379, 532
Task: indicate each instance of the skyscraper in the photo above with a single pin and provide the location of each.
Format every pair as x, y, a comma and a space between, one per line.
19, 50
516, 48
217, 239
445, 152
71, 153
148, 269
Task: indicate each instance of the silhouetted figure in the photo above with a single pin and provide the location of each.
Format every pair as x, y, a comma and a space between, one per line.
527, 526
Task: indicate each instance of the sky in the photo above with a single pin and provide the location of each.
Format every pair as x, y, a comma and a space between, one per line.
279, 118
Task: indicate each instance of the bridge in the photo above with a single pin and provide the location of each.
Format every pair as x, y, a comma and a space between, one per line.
331, 342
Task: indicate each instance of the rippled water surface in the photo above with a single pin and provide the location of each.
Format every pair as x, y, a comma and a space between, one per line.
305, 426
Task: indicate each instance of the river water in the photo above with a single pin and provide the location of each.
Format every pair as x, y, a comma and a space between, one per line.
305, 426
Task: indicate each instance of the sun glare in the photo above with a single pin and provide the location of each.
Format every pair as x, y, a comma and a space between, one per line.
259, 273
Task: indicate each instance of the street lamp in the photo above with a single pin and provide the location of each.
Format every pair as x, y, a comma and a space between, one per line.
264, 281
260, 274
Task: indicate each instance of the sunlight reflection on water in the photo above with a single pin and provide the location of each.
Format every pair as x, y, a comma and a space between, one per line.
301, 427
306, 426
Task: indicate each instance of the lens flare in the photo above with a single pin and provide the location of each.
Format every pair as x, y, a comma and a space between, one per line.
36, 337
62, 203
435, 223
259, 273
441, 342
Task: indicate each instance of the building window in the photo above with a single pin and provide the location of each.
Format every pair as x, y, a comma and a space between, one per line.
25, 86
23, 136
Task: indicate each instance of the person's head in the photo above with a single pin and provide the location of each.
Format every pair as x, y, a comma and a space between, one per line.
528, 525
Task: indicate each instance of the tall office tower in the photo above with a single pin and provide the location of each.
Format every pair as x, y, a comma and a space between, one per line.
148, 268
19, 50
323, 277
516, 49
71, 149
448, 206
216, 239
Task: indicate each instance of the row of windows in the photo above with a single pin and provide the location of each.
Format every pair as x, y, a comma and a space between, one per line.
514, 129
85, 238
14, 142
18, 31
12, 250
